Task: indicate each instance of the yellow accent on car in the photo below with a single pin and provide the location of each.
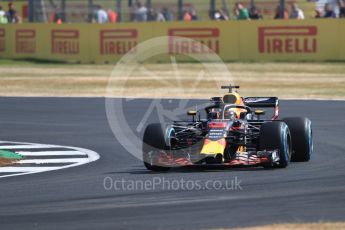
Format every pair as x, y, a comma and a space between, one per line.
259, 112
213, 147
232, 98
241, 149
191, 113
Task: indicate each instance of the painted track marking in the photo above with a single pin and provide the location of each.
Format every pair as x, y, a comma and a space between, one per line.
34, 146
52, 153
26, 169
47, 161
38, 158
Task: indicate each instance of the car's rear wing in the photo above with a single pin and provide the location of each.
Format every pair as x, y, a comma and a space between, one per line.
263, 102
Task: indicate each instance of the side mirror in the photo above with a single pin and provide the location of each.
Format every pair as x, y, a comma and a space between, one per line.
191, 113
259, 112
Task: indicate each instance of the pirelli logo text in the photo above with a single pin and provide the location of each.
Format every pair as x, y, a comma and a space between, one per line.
287, 39
201, 38
2, 40
65, 42
25, 41
118, 41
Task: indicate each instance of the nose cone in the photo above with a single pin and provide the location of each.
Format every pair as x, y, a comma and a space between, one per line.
213, 147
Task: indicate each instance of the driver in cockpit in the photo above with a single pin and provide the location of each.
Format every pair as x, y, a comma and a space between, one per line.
233, 99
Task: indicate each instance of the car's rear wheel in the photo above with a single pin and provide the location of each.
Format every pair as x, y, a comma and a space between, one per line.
276, 136
155, 145
301, 136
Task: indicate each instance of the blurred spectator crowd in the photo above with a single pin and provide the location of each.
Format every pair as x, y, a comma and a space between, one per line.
9, 16
140, 12
253, 13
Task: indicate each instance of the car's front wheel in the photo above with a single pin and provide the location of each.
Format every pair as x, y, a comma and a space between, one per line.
155, 146
276, 136
301, 136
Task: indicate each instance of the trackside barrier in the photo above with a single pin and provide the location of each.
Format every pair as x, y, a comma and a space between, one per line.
269, 40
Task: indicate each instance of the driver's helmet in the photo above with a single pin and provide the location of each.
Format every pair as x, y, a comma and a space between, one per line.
230, 114
235, 99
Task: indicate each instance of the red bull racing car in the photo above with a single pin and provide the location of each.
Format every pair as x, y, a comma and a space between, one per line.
234, 133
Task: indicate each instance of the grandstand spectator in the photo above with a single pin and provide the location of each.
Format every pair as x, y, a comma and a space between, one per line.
11, 13
16, 18
151, 15
187, 16
154, 15
131, 12
220, 15
341, 4
140, 13
112, 16
318, 13
56, 16
168, 15
254, 13
160, 17
190, 15
3, 18
240, 12
224, 13
101, 15
329, 12
194, 15
296, 13
278, 16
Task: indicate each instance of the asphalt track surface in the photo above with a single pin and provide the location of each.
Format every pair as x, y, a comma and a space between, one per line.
75, 198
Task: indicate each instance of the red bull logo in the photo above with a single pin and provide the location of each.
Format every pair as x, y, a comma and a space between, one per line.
2, 40
65, 42
25, 41
118, 41
201, 39
287, 39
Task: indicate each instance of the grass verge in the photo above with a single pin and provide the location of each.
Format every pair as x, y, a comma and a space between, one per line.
8, 158
285, 80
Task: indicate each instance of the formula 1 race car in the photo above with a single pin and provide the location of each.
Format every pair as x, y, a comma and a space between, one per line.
233, 133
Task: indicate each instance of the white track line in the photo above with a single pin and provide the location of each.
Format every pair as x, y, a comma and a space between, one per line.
49, 161
70, 151
52, 153
26, 169
35, 146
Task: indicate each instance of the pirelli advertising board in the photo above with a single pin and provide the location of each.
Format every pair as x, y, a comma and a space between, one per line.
25, 41
2, 40
232, 41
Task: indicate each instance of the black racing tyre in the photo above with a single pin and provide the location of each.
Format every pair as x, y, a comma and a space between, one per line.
155, 141
302, 138
230, 152
276, 135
